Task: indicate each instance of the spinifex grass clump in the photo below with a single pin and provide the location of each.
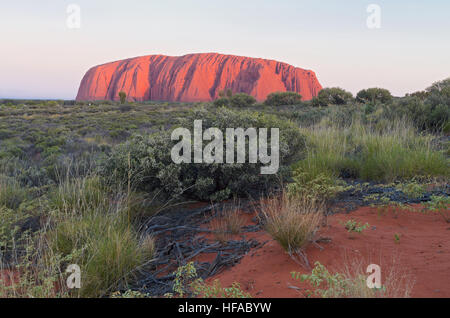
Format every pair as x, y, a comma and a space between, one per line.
376, 154
12, 194
93, 230
291, 221
228, 222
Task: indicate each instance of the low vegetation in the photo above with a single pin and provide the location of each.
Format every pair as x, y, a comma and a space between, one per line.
352, 283
292, 222
78, 180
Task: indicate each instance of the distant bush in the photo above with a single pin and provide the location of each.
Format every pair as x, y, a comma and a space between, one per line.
373, 95
147, 163
283, 98
122, 97
333, 96
242, 100
222, 102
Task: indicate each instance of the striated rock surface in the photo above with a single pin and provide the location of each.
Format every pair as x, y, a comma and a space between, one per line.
194, 78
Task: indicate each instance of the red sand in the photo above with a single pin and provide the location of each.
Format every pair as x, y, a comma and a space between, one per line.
423, 251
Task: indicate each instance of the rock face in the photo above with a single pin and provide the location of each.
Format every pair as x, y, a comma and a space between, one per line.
194, 78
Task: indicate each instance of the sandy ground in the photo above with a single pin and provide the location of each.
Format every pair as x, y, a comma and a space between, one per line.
422, 254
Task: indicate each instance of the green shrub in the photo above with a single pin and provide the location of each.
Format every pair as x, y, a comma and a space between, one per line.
222, 102
283, 98
122, 97
146, 162
242, 100
374, 95
333, 96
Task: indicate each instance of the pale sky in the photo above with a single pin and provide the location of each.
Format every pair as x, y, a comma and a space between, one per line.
40, 57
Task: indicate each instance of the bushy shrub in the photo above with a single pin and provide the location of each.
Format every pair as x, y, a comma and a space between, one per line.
374, 95
283, 98
333, 96
146, 162
222, 102
242, 100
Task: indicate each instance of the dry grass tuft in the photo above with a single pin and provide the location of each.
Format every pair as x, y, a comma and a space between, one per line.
228, 223
292, 222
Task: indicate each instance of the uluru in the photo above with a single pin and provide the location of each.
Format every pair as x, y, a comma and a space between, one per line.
194, 78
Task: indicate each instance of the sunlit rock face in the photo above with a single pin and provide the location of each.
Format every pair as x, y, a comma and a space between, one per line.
194, 78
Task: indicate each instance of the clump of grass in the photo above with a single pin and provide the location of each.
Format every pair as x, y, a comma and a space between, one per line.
80, 195
229, 222
12, 194
291, 221
379, 154
94, 230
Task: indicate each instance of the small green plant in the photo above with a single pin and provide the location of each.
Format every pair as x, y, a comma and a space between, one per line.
321, 187
186, 284
440, 204
397, 237
412, 189
327, 285
352, 226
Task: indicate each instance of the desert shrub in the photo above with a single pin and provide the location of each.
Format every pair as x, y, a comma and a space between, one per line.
146, 163
291, 221
222, 102
283, 98
374, 95
242, 100
333, 96
430, 114
122, 97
